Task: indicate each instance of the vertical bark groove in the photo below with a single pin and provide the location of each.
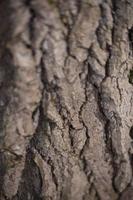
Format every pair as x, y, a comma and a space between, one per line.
66, 100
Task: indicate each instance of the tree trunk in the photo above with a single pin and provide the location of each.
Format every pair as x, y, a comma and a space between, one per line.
66, 90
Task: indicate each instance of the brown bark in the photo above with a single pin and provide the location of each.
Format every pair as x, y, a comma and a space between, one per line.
66, 123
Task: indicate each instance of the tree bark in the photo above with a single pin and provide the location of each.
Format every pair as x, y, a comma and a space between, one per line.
66, 99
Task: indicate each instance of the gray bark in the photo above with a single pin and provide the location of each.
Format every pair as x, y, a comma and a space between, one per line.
66, 122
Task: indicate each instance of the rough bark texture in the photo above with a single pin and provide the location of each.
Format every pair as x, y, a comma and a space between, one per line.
66, 99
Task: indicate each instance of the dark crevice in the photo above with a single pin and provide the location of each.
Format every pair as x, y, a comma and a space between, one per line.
3, 167
31, 182
70, 134
97, 194
107, 65
130, 76
114, 6
31, 24
82, 107
131, 132
130, 37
